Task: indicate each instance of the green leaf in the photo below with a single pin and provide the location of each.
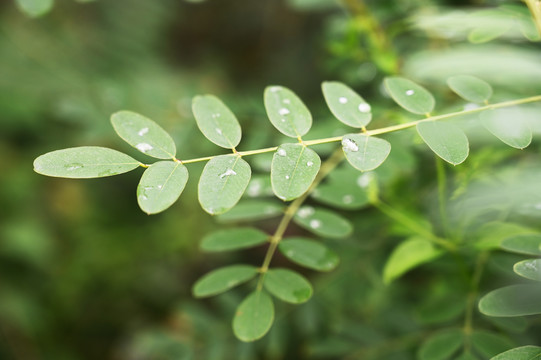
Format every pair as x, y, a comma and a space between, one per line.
441, 345
161, 185
408, 255
144, 134
514, 300
294, 167
259, 186
528, 244
346, 105
223, 182
342, 195
530, 269
467, 356
308, 253
254, 316
233, 239
409, 95
509, 126
520, 353
252, 210
323, 222
445, 139
216, 121
223, 279
287, 285
35, 8
287, 112
470, 88
489, 344
84, 162
365, 153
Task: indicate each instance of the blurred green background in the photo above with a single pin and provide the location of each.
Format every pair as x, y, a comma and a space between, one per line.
84, 274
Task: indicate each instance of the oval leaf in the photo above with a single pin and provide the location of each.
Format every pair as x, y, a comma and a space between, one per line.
161, 185
216, 121
514, 300
34, 8
254, 316
346, 105
470, 88
287, 112
365, 153
408, 255
223, 279
409, 95
288, 286
509, 126
441, 345
223, 182
233, 239
348, 196
530, 269
520, 353
84, 162
309, 253
528, 244
144, 134
252, 210
446, 140
294, 167
323, 222
489, 344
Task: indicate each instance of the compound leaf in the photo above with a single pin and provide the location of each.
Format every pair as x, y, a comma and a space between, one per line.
346, 105
528, 244
470, 88
409, 95
309, 253
287, 112
445, 140
34, 8
520, 353
441, 345
223, 279
252, 210
233, 239
287, 285
294, 167
365, 153
223, 182
143, 134
530, 269
509, 126
323, 222
84, 162
216, 121
161, 185
514, 300
254, 316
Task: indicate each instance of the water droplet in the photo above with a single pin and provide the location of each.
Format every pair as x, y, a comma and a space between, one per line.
281, 197
254, 189
349, 145
309, 163
364, 180
143, 131
217, 115
287, 177
470, 106
343, 100
306, 211
537, 206
144, 147
364, 107
275, 88
410, 92
73, 166
347, 199
281, 152
283, 111
219, 131
283, 120
314, 224
143, 197
531, 265
286, 101
228, 172
160, 187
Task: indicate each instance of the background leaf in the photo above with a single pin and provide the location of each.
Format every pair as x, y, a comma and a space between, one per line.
287, 285
233, 239
252, 210
509, 126
144, 134
409, 95
35, 8
294, 167
445, 139
286, 111
489, 344
223, 279
323, 222
161, 185
365, 153
254, 316
223, 182
84, 162
470, 88
530, 269
528, 244
441, 345
520, 353
216, 121
309, 253
346, 105
514, 300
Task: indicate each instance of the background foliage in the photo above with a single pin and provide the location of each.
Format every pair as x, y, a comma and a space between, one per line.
87, 275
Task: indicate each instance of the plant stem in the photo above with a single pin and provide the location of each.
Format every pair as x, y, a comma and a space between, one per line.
385, 130
292, 209
442, 193
472, 296
535, 8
